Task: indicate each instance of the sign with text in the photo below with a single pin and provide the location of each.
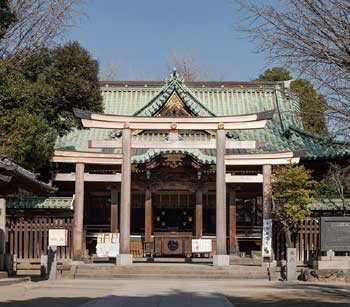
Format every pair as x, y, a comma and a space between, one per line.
335, 233
58, 237
107, 244
267, 238
108, 237
201, 246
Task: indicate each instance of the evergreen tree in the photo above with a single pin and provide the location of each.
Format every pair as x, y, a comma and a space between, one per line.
7, 17
275, 74
36, 101
312, 104
293, 189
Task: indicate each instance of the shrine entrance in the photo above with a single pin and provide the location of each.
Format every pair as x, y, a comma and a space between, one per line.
173, 211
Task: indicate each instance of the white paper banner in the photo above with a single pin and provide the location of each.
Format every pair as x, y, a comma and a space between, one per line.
107, 249
267, 238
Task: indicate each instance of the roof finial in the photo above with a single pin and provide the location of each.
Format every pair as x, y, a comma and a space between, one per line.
174, 73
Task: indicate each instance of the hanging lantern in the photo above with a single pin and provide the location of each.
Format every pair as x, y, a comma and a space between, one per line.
157, 218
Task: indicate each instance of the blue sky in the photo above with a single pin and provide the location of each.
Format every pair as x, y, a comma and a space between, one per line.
140, 36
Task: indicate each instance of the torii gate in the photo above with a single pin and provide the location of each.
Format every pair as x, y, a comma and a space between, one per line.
128, 123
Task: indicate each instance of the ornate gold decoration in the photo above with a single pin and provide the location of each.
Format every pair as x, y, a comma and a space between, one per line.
174, 107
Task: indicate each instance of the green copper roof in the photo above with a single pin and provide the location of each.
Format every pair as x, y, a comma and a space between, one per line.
28, 202
174, 84
283, 133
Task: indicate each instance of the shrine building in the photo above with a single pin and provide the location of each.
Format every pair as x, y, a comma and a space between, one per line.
168, 162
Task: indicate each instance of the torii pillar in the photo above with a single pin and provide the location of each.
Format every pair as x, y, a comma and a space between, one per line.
124, 257
221, 258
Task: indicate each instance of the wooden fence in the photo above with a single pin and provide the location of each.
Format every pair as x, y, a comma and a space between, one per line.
306, 240
27, 237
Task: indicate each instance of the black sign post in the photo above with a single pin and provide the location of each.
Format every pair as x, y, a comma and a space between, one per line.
335, 233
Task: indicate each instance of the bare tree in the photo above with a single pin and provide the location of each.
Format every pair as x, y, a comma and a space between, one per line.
313, 38
37, 24
187, 66
111, 71
338, 178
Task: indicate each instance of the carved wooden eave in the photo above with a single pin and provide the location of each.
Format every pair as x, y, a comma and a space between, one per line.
169, 160
174, 107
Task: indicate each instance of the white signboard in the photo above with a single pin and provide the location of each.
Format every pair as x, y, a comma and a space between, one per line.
267, 238
58, 237
107, 245
201, 246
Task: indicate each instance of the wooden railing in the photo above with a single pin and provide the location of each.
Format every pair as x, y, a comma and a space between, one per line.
27, 237
306, 240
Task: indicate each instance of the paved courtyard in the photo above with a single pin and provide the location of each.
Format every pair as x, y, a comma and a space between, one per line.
89, 293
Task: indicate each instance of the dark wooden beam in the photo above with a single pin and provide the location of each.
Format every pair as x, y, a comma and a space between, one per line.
114, 210
199, 214
148, 216
234, 249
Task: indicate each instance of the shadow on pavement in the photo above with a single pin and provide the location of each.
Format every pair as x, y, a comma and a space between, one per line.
295, 295
279, 295
173, 299
47, 301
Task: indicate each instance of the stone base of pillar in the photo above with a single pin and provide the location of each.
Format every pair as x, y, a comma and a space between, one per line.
124, 259
221, 260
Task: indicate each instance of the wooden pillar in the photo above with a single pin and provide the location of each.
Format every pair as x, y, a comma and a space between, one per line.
267, 192
199, 214
78, 212
114, 210
125, 258
221, 258
148, 216
234, 249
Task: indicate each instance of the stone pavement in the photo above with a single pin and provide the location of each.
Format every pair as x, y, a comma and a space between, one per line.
149, 293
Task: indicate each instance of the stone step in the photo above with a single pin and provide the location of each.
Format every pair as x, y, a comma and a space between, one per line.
12, 281
169, 276
199, 272
176, 271
175, 267
3, 274
206, 273
245, 261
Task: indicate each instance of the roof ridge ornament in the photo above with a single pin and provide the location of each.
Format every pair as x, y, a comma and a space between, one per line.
174, 77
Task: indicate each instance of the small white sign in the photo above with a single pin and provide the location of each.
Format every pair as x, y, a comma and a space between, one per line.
201, 246
58, 237
267, 238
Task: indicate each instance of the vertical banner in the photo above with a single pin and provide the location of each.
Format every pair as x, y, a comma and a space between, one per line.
267, 239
